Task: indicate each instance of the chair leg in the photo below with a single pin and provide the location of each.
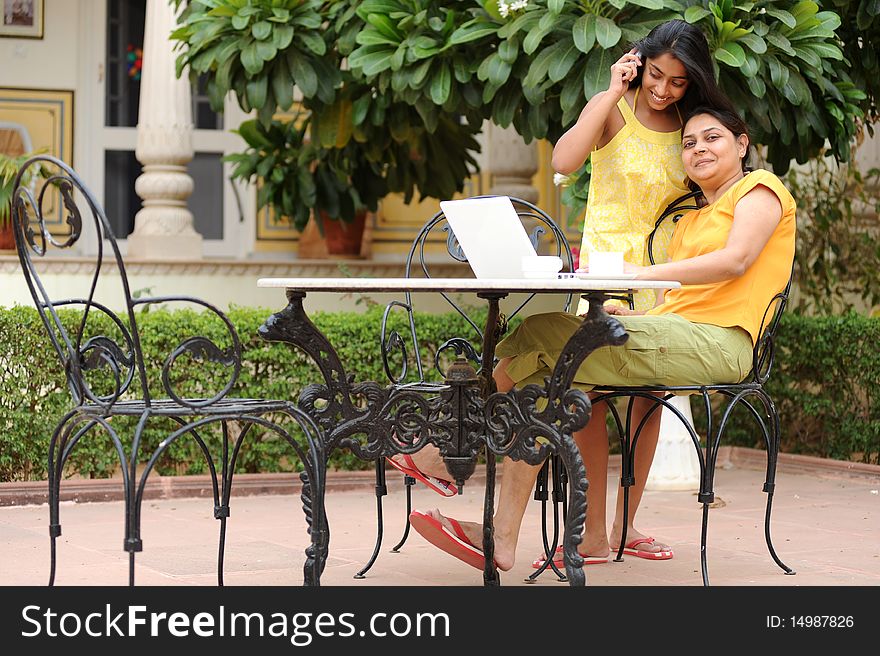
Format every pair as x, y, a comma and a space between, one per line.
54, 522
770, 485
381, 491
221, 551
703, 532
550, 545
408, 482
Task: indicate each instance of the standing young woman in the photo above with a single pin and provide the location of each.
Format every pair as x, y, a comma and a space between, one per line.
632, 134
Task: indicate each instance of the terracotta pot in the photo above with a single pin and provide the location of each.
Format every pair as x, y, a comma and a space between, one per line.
7, 238
345, 238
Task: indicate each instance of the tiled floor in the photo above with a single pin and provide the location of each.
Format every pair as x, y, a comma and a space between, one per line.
826, 526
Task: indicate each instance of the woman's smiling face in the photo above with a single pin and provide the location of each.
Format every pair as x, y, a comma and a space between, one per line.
664, 81
711, 152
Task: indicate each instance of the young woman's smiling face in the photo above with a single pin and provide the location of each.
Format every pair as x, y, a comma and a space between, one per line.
711, 152
664, 81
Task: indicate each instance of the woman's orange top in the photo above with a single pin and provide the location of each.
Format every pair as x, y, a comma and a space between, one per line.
740, 301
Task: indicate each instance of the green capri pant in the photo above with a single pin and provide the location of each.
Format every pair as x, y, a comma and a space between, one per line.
661, 350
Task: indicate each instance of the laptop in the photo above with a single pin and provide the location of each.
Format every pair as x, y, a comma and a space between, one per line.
490, 233
494, 240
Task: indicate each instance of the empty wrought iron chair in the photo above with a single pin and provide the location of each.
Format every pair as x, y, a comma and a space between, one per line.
109, 381
404, 353
748, 394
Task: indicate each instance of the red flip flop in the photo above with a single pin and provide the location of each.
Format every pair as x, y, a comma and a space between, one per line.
559, 559
455, 544
440, 486
630, 550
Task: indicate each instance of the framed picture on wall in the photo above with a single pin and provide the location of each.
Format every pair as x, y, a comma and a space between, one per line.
39, 120
22, 19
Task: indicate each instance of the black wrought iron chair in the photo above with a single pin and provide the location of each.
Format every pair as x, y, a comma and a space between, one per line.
404, 355
103, 362
746, 394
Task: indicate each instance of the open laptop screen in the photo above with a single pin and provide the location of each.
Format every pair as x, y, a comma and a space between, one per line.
491, 235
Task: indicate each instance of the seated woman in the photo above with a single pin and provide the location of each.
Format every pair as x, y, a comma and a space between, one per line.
732, 257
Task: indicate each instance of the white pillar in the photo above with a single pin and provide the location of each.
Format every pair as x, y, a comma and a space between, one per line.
163, 228
675, 466
512, 163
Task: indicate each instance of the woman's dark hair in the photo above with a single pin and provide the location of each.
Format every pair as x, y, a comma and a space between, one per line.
728, 117
687, 44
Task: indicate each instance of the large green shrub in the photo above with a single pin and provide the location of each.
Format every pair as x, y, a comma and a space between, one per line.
824, 383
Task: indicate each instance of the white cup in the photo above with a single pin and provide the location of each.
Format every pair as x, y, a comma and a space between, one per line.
606, 264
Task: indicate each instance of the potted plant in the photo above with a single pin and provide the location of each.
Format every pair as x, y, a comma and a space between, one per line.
9, 167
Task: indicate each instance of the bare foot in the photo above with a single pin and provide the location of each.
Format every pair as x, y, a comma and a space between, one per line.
639, 544
504, 553
429, 461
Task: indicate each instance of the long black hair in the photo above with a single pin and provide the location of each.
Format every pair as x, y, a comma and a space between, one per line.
687, 44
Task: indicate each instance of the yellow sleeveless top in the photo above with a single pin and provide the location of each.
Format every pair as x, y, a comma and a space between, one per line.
635, 177
740, 301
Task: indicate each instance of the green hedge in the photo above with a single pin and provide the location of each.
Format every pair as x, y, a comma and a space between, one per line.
33, 393
824, 382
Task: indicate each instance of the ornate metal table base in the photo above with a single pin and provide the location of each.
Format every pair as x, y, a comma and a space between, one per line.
461, 418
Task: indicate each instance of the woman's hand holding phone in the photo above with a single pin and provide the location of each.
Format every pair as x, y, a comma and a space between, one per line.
623, 71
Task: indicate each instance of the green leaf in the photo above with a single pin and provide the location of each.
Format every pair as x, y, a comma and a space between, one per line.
472, 32
804, 10
253, 134
373, 38
607, 32
826, 50
441, 83
509, 49
314, 43
584, 32
534, 37
796, 90
555, 6
731, 53
597, 72
282, 84
563, 62
778, 72
266, 50
783, 16
494, 70
261, 30
251, 61
303, 73
780, 43
647, 4
695, 13
256, 91
282, 36
751, 66
756, 86
754, 43
808, 56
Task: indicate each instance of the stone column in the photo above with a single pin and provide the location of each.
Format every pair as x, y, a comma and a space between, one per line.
512, 164
675, 466
163, 228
